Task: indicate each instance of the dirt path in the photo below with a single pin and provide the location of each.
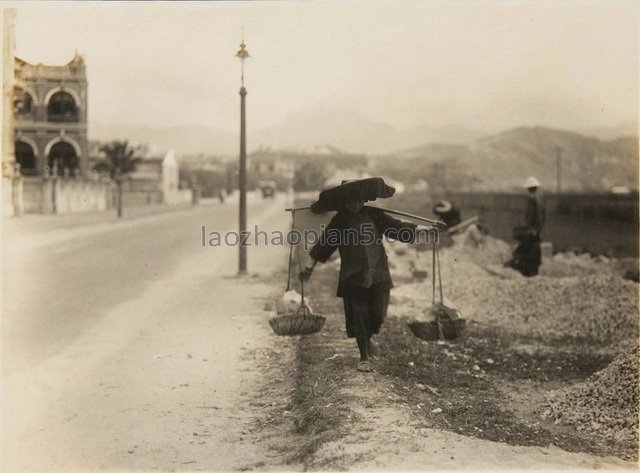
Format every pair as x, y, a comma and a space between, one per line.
187, 376
438, 405
388, 436
375, 428
165, 381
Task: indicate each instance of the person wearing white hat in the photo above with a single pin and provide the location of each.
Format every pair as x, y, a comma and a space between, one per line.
535, 215
531, 182
527, 256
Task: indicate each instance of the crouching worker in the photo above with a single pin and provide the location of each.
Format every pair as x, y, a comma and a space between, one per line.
364, 283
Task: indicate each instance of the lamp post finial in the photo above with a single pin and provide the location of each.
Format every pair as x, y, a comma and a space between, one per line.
242, 54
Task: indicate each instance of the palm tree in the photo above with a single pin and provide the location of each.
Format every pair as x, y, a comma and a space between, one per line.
120, 159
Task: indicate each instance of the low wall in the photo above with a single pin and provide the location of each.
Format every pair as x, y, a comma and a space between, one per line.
178, 196
36, 195
598, 207
68, 195
137, 198
82, 196
596, 223
61, 195
12, 199
151, 197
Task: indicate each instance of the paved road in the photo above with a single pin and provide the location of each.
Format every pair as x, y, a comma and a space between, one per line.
121, 342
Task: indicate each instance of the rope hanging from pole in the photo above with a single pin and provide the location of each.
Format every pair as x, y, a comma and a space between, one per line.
293, 216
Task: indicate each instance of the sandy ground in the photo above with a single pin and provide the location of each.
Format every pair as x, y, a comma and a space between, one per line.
386, 436
162, 381
382, 431
183, 372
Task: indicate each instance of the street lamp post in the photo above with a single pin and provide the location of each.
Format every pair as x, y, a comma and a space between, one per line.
291, 173
242, 171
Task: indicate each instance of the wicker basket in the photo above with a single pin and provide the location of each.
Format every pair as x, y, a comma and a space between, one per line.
451, 329
447, 324
425, 330
302, 322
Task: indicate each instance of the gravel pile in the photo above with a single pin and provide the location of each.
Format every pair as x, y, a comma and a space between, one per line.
493, 252
605, 404
571, 264
602, 306
576, 296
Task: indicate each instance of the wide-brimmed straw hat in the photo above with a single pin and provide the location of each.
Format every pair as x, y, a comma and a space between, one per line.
442, 207
365, 190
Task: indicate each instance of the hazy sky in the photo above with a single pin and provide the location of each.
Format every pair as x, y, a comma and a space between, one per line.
488, 65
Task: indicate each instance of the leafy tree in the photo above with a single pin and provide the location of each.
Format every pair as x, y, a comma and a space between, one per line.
120, 159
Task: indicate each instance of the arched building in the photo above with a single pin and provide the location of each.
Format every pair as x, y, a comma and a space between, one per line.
50, 118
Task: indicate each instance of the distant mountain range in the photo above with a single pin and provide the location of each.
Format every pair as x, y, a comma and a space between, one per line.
185, 140
352, 132
612, 132
603, 158
502, 161
339, 127
323, 125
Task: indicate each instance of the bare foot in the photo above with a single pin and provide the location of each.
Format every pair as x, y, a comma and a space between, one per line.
365, 366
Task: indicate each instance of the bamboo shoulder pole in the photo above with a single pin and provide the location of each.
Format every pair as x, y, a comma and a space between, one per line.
437, 223
463, 224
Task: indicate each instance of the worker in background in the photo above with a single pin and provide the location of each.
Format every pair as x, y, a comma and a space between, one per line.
447, 212
535, 216
450, 215
527, 256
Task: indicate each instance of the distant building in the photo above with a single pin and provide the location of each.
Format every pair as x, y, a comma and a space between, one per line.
340, 175
282, 166
156, 180
50, 118
155, 174
11, 184
267, 166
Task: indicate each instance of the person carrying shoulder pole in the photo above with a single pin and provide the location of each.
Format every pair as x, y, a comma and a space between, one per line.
357, 232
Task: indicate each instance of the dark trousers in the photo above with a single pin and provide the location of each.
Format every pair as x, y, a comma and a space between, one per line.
365, 309
527, 257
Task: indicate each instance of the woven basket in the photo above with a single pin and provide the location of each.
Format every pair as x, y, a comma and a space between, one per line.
425, 330
302, 322
451, 329
446, 324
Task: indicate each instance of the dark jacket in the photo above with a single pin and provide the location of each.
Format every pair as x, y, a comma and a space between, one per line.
451, 218
359, 239
535, 214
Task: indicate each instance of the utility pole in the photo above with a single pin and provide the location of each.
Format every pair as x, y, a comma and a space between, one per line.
558, 169
291, 172
242, 171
